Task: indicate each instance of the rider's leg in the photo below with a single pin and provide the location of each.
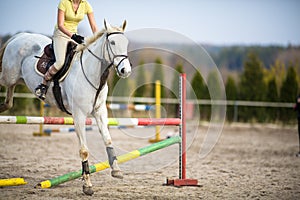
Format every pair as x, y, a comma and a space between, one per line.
49, 74
41, 89
60, 41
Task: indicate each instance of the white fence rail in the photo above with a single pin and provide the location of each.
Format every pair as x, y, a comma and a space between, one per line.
175, 101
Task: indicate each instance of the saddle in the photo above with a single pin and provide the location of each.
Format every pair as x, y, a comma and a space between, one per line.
48, 58
44, 63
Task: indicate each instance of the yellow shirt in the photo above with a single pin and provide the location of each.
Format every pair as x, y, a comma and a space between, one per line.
72, 19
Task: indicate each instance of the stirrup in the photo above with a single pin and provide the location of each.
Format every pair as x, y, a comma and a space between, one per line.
41, 91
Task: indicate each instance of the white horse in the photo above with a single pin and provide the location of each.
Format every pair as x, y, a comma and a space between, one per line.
84, 90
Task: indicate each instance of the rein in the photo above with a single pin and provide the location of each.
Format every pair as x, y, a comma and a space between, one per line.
105, 74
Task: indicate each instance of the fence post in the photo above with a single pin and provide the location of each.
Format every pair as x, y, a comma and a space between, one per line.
157, 111
41, 126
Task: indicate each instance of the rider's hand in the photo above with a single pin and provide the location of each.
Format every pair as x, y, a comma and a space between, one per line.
77, 38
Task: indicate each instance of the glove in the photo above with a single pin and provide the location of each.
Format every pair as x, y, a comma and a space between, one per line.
77, 38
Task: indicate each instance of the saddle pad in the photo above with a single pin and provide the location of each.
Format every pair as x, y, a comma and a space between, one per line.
41, 64
45, 61
41, 69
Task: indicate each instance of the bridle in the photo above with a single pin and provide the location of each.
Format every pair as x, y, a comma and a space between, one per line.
114, 56
111, 58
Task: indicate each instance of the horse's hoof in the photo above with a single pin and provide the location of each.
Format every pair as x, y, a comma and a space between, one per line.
117, 174
88, 190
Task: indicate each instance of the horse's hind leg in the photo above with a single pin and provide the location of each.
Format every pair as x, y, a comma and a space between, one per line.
8, 103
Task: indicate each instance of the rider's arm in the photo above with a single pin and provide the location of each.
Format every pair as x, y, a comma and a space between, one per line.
60, 23
92, 22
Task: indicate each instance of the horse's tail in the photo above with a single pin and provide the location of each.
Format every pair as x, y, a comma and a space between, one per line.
1, 55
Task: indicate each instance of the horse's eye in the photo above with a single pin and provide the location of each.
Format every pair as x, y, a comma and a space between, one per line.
112, 42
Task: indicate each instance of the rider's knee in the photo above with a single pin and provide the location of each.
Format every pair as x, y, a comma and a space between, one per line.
58, 64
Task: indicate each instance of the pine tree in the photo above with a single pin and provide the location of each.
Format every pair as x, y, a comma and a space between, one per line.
214, 87
199, 88
289, 88
278, 71
216, 93
140, 81
200, 91
252, 88
288, 93
231, 89
231, 94
272, 96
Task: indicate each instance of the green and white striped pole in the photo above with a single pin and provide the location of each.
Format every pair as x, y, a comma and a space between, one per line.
104, 165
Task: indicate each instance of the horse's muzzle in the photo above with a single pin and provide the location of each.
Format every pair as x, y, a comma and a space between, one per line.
124, 69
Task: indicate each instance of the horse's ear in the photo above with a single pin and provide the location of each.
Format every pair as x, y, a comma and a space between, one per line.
107, 26
124, 25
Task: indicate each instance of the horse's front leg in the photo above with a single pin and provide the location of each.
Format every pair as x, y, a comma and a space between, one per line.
100, 115
79, 121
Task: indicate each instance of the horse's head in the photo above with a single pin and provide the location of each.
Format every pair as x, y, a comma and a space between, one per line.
116, 47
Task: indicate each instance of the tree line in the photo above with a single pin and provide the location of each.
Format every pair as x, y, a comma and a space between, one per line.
277, 83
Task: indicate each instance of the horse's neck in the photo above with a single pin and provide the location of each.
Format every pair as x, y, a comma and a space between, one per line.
92, 65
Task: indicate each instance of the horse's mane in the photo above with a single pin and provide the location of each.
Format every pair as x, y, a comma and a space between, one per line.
93, 38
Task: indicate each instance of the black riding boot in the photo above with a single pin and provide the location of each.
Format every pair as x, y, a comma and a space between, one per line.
41, 91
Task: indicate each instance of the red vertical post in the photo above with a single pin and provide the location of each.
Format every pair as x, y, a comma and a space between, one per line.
183, 124
182, 181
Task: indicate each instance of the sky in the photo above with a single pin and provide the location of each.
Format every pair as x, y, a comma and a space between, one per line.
219, 22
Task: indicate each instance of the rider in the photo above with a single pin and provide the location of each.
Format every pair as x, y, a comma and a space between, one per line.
69, 14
